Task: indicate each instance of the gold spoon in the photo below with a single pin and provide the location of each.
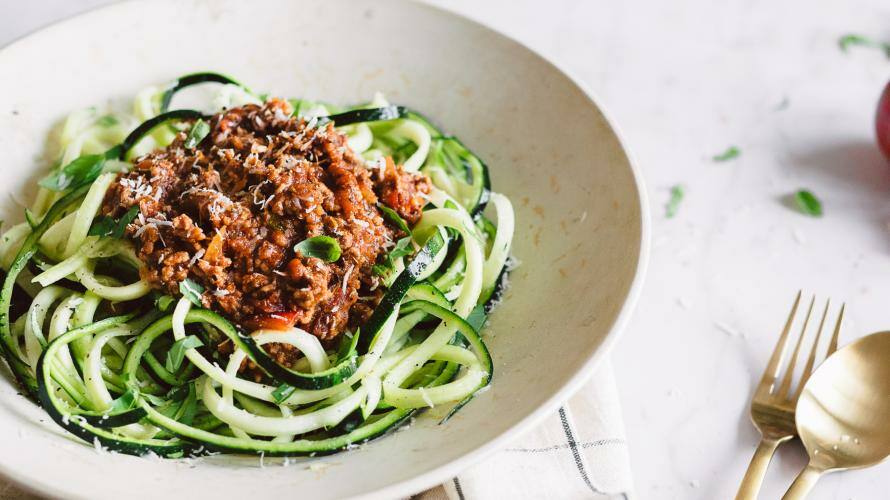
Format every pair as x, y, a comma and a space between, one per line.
844, 410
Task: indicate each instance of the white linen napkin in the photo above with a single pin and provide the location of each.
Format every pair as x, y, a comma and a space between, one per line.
579, 452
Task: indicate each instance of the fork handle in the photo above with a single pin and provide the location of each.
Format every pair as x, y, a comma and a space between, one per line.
757, 469
804, 483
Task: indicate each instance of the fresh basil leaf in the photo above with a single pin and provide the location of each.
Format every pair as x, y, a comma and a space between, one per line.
192, 291
196, 134
283, 392
673, 204
177, 352
403, 248
477, 317
82, 170
393, 217
178, 393
189, 408
126, 401
108, 226
731, 153
321, 247
807, 203
163, 302
107, 121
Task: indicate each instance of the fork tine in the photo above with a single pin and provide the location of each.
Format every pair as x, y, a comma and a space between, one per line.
784, 389
772, 369
837, 332
808, 369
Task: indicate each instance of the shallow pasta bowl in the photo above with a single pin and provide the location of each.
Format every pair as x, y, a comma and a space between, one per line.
581, 229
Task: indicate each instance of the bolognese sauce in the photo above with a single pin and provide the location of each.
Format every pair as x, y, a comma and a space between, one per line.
228, 212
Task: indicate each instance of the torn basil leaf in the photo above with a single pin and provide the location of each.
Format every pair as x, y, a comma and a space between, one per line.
108, 226
320, 247
177, 352
196, 134
192, 291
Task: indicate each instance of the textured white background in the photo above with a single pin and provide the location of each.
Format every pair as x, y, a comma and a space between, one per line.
684, 80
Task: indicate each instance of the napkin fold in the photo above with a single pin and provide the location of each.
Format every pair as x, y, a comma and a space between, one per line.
578, 452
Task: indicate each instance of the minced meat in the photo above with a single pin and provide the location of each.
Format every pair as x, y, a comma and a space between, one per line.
228, 213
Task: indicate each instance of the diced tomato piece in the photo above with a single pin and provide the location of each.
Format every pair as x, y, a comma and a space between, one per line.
272, 321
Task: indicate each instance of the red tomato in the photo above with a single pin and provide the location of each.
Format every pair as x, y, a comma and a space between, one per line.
272, 321
882, 122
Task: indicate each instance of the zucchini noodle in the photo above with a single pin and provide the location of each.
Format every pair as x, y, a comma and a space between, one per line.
86, 336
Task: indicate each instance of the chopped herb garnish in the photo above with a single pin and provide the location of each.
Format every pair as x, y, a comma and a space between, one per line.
82, 170
477, 317
177, 352
192, 291
107, 121
108, 226
673, 204
403, 248
125, 402
807, 203
282, 393
163, 302
196, 134
847, 41
320, 247
189, 407
729, 154
394, 218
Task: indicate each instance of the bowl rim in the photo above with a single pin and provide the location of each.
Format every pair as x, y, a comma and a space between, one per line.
445, 472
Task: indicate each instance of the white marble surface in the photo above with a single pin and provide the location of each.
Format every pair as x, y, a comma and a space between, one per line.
684, 80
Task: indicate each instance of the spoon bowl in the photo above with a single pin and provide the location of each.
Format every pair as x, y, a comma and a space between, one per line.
843, 411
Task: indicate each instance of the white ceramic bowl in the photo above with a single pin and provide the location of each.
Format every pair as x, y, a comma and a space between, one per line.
581, 231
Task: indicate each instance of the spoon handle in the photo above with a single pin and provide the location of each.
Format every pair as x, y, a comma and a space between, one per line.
804, 483
757, 469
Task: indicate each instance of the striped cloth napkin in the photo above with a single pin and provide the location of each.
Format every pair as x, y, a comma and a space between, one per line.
579, 452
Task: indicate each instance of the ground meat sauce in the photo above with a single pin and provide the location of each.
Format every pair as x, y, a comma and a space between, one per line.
228, 213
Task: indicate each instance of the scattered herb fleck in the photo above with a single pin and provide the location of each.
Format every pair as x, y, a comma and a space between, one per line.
807, 203
673, 204
851, 40
730, 153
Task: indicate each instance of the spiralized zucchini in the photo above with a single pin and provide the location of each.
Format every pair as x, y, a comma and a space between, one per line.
90, 344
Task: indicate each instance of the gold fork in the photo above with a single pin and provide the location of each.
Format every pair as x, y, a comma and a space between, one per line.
772, 409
